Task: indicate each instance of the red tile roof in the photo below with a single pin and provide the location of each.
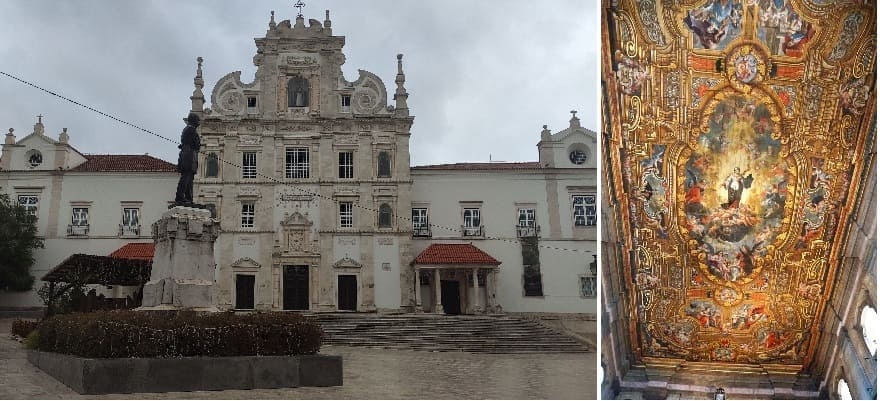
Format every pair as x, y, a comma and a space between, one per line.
481, 166
125, 163
454, 254
135, 250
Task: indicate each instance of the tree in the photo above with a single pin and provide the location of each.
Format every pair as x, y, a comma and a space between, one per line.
18, 239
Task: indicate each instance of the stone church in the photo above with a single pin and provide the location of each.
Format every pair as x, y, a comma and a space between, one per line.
309, 175
739, 231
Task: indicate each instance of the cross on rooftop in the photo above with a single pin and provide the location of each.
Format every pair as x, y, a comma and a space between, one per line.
299, 4
39, 119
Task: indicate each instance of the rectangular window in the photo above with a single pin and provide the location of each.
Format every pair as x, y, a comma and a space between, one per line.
584, 210
588, 287
346, 103
244, 291
31, 203
346, 164
80, 216
471, 225
383, 169
131, 222
79, 222
420, 222
346, 215
526, 217
247, 215
249, 165
251, 102
297, 163
525, 224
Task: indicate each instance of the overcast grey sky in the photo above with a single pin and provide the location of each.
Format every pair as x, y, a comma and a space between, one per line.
483, 76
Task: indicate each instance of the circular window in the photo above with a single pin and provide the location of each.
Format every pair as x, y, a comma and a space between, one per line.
578, 156
34, 157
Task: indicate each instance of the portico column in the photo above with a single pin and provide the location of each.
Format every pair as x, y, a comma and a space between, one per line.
474, 303
438, 305
490, 287
418, 290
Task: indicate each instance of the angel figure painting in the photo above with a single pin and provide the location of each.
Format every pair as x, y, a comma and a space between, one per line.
736, 186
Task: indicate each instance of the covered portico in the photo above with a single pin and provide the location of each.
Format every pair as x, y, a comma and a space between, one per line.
456, 279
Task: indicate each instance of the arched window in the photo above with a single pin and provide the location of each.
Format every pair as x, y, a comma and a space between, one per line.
870, 328
297, 92
384, 165
212, 167
384, 216
843, 390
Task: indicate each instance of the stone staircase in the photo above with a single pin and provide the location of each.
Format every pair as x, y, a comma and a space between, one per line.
424, 332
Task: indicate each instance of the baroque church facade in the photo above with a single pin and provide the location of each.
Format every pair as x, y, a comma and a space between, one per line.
739, 212
309, 175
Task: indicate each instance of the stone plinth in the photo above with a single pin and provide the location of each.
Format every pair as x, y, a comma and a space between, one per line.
200, 373
182, 277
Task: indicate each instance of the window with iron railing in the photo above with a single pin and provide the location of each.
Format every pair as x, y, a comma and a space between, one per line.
421, 228
525, 225
79, 222
471, 226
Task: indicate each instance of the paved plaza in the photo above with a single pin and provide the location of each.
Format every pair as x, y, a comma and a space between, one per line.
368, 373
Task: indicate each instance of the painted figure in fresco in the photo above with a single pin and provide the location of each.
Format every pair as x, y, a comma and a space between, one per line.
714, 22
854, 96
735, 183
746, 68
706, 313
773, 202
630, 75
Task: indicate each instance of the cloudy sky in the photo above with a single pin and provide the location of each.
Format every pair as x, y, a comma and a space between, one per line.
483, 76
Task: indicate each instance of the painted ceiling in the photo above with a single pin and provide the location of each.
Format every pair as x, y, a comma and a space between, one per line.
737, 134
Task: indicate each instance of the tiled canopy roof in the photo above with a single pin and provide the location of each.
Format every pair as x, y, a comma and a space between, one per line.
125, 163
454, 254
135, 250
481, 166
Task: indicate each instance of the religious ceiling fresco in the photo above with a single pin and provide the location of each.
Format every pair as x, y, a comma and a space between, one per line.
737, 132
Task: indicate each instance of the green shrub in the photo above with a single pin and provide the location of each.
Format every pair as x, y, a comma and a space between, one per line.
123, 334
23, 328
32, 340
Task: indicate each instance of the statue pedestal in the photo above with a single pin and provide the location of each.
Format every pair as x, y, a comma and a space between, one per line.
182, 277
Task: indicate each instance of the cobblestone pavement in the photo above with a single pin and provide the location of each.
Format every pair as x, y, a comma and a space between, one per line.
367, 374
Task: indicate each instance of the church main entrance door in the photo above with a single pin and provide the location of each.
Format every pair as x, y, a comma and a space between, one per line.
296, 288
450, 297
347, 288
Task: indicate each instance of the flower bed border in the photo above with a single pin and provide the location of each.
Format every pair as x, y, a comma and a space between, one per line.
155, 375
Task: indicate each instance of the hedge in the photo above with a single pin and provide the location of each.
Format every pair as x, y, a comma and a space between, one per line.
23, 328
127, 334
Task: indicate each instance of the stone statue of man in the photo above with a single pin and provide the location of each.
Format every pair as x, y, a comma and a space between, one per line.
188, 161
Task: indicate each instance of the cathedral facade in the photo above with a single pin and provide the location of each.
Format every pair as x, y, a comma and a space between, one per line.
309, 175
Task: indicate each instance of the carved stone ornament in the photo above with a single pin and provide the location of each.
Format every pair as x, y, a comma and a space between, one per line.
347, 262
296, 219
246, 263
301, 60
248, 191
249, 140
